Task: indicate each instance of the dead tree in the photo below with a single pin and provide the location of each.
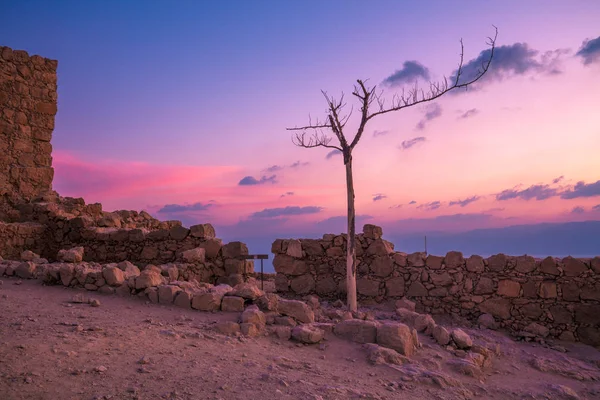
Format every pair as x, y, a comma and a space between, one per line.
372, 104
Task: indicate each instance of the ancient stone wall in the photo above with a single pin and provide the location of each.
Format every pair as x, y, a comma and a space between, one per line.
18, 237
560, 298
27, 107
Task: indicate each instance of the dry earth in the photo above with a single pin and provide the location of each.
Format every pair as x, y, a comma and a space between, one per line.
126, 348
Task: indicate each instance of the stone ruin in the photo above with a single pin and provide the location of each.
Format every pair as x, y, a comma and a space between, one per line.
64, 241
550, 297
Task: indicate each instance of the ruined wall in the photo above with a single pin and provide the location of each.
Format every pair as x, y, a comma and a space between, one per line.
562, 296
27, 107
18, 237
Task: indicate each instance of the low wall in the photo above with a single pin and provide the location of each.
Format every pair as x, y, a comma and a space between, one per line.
18, 237
561, 296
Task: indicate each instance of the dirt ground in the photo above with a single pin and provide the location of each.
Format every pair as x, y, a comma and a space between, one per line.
129, 349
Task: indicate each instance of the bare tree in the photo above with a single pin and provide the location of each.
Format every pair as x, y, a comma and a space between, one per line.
372, 104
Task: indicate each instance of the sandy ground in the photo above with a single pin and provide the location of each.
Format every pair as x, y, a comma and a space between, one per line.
128, 349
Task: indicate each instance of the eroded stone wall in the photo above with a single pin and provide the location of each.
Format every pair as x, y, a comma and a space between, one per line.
561, 296
18, 237
28, 104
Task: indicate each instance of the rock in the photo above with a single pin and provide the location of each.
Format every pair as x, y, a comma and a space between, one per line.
25, 270
148, 278
382, 266
268, 302
306, 333
211, 300
66, 273
465, 367
405, 304
228, 328
484, 286
167, 293
548, 266
78, 298
397, 336
282, 332
194, 256
537, 330
525, 264
406, 316
497, 307
573, 266
394, 287
94, 302
417, 289
232, 304
589, 335
441, 279
288, 265
114, 276
294, 248
234, 250
372, 231
548, 290
487, 321
441, 335
434, 262
247, 290
296, 309
152, 293
285, 321
367, 287
356, 330
74, 255
252, 315
202, 231
250, 330
28, 255
130, 270
377, 355
303, 284
461, 339
424, 322
497, 263
416, 260
381, 248
183, 299
509, 288
453, 259
562, 392
475, 264
313, 302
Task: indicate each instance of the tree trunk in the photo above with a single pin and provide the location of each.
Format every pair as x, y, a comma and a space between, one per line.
351, 245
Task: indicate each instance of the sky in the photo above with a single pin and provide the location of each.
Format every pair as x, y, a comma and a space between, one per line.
180, 108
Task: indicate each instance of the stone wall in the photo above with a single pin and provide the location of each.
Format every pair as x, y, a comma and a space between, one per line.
18, 237
27, 107
560, 298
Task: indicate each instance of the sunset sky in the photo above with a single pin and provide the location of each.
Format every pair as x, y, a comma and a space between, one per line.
180, 108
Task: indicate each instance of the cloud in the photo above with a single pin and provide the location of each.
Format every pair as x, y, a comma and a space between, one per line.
273, 168
464, 202
582, 189
177, 208
537, 192
596, 207
287, 194
590, 51
452, 222
412, 202
250, 180
379, 196
333, 153
299, 164
434, 205
432, 112
469, 113
578, 210
407, 144
286, 211
556, 180
340, 224
410, 71
511, 60
395, 206
380, 133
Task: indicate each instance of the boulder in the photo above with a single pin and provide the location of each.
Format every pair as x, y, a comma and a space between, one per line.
232, 304
66, 273
129, 269
487, 321
371, 231
28, 255
167, 293
296, 309
307, 333
303, 284
397, 336
25, 270
202, 231
461, 339
74, 255
194, 256
267, 302
183, 299
252, 315
148, 278
113, 276
377, 355
234, 250
247, 290
228, 328
294, 249
424, 323
406, 304
441, 335
357, 330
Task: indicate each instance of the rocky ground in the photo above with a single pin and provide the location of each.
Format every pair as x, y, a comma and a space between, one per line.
127, 348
